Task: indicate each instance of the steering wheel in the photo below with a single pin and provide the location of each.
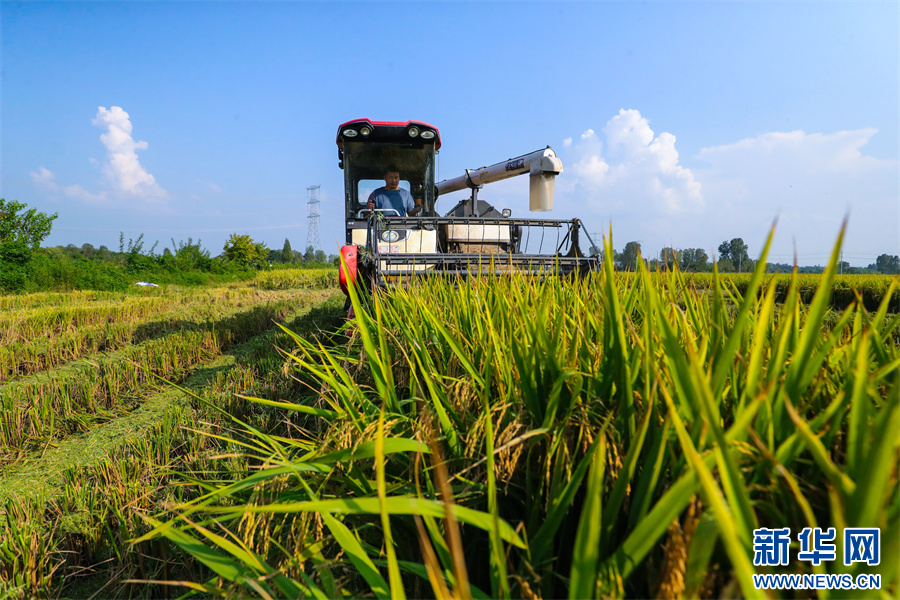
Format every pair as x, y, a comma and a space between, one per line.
365, 212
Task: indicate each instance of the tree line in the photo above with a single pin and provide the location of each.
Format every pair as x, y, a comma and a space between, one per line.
733, 257
26, 266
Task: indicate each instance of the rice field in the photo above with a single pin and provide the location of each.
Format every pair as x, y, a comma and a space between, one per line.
618, 436
869, 290
90, 423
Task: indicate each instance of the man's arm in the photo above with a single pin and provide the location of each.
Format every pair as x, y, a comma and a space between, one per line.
371, 203
413, 207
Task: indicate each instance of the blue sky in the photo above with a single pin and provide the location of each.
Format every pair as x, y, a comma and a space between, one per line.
683, 124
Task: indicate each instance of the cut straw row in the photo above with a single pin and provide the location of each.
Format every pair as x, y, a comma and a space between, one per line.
35, 409
91, 518
47, 351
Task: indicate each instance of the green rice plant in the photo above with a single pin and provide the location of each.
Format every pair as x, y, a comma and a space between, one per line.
600, 437
872, 289
27, 561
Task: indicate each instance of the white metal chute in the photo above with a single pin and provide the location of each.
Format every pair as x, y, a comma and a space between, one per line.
542, 167
540, 192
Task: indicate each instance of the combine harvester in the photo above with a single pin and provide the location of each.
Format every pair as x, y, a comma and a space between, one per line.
384, 247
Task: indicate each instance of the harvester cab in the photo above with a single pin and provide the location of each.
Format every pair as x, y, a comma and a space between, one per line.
385, 247
366, 149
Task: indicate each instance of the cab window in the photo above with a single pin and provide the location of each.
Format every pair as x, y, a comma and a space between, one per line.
367, 186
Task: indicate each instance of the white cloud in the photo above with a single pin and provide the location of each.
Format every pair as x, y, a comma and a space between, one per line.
632, 177
122, 167
811, 181
634, 168
79, 193
45, 180
210, 186
125, 179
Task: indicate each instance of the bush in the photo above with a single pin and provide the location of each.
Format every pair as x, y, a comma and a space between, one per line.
52, 269
15, 255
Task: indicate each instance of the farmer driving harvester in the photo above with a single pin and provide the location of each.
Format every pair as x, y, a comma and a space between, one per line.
393, 197
395, 234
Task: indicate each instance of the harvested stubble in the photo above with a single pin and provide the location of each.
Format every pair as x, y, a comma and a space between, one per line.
81, 538
78, 541
45, 299
185, 311
621, 436
48, 322
73, 398
283, 279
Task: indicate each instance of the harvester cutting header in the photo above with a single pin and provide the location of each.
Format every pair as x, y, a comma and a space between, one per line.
386, 243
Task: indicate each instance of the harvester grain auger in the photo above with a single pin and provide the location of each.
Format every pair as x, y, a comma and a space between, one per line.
385, 246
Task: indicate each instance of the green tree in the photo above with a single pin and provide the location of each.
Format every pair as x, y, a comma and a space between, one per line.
167, 260
629, 256
15, 255
668, 257
29, 227
739, 255
736, 252
135, 260
287, 255
21, 233
243, 251
190, 256
309, 255
887, 263
694, 259
724, 251
725, 265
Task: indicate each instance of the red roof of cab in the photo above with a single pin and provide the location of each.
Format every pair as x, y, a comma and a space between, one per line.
437, 134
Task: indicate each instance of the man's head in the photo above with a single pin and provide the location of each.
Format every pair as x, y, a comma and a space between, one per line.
392, 178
